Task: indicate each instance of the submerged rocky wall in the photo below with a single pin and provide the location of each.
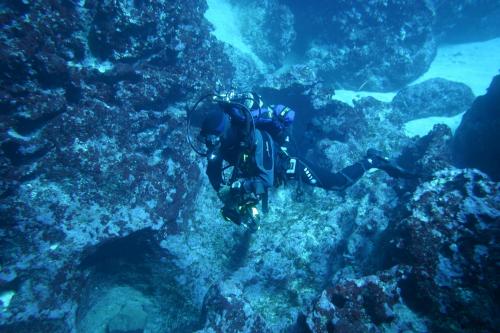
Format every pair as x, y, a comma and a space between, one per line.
92, 145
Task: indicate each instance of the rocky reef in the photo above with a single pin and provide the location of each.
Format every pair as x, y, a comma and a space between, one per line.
93, 99
110, 225
437, 263
404, 45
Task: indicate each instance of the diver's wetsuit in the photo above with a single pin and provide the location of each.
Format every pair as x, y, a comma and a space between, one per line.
255, 168
319, 177
266, 162
258, 172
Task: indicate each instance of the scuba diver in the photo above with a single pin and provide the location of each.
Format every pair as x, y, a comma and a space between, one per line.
253, 140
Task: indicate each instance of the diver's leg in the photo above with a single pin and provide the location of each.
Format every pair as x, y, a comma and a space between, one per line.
320, 177
315, 176
377, 160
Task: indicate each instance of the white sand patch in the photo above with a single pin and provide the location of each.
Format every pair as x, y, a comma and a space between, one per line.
350, 96
420, 127
92, 62
5, 299
474, 64
226, 21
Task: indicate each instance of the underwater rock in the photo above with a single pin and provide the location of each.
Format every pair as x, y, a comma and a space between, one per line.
359, 44
127, 31
54, 75
357, 305
430, 153
93, 153
268, 28
225, 310
342, 134
459, 21
119, 310
92, 144
434, 97
448, 239
433, 266
475, 144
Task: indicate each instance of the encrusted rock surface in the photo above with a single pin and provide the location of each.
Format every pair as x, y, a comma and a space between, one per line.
360, 305
358, 44
449, 240
441, 265
431, 98
92, 140
225, 310
268, 27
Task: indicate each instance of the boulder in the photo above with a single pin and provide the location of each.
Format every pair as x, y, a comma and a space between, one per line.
94, 94
359, 44
461, 21
357, 305
475, 144
225, 310
431, 98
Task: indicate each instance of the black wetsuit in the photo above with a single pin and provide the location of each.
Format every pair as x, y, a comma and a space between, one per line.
313, 175
265, 163
254, 165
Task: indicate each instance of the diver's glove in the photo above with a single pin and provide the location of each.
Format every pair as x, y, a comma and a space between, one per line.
240, 206
376, 159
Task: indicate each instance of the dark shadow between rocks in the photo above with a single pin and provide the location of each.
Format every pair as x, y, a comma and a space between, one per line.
17, 155
300, 325
240, 250
27, 126
132, 285
412, 297
133, 249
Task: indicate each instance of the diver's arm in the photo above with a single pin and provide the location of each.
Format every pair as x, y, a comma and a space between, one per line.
214, 172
